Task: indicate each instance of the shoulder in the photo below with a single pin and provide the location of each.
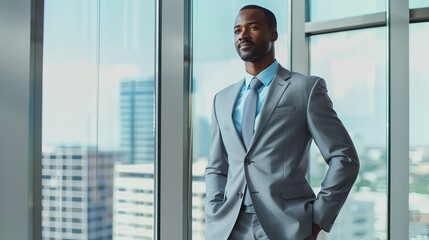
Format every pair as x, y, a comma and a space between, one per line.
302, 79
305, 82
297, 78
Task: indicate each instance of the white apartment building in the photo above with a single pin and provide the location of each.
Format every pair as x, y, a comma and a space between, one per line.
77, 193
133, 201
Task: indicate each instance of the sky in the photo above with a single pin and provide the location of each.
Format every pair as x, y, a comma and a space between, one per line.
87, 55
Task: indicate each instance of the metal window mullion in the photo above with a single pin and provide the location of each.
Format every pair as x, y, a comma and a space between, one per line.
299, 43
172, 124
344, 24
419, 15
359, 22
20, 91
36, 90
398, 118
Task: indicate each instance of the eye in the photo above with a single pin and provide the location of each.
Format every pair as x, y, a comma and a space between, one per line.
236, 31
253, 28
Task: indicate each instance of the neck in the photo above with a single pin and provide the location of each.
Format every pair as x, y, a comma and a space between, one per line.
258, 66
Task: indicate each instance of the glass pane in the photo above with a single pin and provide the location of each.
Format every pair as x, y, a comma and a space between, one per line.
419, 3
419, 142
353, 64
322, 10
98, 120
214, 70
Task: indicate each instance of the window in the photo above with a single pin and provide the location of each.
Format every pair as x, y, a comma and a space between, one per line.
354, 63
99, 59
419, 3
419, 142
323, 10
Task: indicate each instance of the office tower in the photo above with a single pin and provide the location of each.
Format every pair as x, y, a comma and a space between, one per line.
201, 139
133, 201
134, 197
77, 193
138, 120
198, 195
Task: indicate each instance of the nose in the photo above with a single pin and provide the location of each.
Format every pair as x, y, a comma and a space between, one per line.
243, 35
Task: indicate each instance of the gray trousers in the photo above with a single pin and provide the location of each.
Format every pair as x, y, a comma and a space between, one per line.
247, 227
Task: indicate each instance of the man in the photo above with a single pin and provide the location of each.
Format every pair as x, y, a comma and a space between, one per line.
262, 127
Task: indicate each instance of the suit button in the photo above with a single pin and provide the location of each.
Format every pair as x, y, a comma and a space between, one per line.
240, 194
247, 161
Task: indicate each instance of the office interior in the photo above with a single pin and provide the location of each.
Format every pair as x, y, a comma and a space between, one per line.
105, 111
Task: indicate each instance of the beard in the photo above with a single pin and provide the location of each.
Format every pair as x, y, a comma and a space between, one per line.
254, 53
247, 57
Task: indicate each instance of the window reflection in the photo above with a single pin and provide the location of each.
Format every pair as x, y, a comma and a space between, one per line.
419, 142
353, 63
323, 10
217, 65
419, 4
98, 120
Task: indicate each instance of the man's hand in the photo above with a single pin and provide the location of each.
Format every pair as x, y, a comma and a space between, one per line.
315, 229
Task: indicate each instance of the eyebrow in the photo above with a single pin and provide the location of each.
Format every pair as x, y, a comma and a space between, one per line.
248, 23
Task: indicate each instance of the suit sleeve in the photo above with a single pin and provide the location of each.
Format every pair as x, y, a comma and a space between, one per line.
337, 149
216, 170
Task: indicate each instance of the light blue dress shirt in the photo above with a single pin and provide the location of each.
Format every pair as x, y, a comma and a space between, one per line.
266, 77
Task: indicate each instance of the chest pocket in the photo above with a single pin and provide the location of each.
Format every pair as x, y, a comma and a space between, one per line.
284, 109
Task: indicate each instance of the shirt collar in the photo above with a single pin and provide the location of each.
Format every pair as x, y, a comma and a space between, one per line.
266, 76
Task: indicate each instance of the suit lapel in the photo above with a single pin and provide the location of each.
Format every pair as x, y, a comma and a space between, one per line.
229, 104
275, 91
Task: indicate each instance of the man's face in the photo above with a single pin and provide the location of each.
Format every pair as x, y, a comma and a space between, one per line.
253, 37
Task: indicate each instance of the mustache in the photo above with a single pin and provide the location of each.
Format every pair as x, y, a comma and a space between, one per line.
245, 42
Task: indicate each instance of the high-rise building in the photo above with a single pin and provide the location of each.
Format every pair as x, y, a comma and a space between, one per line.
134, 197
133, 202
138, 120
198, 195
77, 193
201, 141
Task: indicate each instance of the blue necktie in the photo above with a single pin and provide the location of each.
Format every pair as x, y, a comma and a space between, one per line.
249, 112
248, 122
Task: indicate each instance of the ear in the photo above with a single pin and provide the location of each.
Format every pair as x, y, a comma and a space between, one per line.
274, 35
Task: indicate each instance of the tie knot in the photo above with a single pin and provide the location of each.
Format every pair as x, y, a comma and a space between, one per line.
255, 83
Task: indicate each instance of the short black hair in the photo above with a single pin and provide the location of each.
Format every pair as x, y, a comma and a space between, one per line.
271, 18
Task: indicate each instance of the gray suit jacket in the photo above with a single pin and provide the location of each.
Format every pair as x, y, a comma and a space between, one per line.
297, 109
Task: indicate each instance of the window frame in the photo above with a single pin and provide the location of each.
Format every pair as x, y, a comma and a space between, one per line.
397, 18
